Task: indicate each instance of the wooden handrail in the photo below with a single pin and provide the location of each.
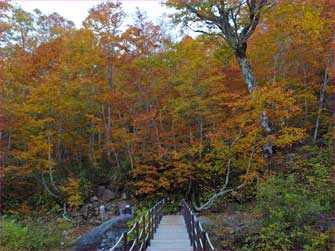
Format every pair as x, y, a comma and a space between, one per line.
144, 230
198, 236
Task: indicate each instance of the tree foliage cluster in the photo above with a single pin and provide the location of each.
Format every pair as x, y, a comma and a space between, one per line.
154, 117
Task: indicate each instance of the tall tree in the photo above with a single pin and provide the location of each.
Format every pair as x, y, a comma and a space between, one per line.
234, 21
105, 21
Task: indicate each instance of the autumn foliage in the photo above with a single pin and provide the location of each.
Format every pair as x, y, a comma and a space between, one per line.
130, 107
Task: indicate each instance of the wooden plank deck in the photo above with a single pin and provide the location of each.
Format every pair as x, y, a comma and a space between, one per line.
171, 235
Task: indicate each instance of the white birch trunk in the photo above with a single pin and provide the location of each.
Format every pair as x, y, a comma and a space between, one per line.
322, 95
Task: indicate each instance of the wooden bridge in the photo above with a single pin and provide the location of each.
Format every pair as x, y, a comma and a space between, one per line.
156, 231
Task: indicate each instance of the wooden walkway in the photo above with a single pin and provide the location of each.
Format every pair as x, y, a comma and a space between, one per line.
156, 232
171, 235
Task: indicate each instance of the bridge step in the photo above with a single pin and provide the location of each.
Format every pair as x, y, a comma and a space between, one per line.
171, 235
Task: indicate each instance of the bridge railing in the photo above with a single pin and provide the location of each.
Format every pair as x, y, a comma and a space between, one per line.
142, 231
198, 236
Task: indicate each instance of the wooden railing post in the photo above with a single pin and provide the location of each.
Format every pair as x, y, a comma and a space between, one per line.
149, 226
193, 232
152, 224
144, 231
159, 214
156, 217
136, 238
197, 227
162, 210
188, 220
153, 221
125, 241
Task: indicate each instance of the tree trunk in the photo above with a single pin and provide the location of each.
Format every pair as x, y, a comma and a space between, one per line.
305, 91
191, 135
91, 142
117, 160
251, 82
47, 188
130, 157
322, 95
154, 123
59, 143
109, 111
110, 77
201, 128
107, 132
247, 72
9, 146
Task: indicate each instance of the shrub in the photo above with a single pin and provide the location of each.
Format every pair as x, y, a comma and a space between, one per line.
172, 207
289, 210
29, 235
73, 193
14, 235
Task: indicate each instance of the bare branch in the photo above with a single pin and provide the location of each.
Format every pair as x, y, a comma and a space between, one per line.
229, 159
47, 188
223, 190
201, 31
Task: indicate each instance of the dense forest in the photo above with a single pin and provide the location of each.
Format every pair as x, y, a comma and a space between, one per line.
238, 118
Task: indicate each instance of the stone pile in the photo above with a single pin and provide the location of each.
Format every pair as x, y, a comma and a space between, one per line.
90, 213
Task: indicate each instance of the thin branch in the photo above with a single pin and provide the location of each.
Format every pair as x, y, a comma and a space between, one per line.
65, 214
49, 165
322, 94
229, 159
47, 188
223, 190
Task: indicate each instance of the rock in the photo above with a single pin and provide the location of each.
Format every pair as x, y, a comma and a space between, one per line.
96, 212
110, 207
122, 204
74, 213
93, 239
94, 199
108, 195
84, 210
100, 191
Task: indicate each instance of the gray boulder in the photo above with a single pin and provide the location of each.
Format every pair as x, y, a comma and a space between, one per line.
108, 195
84, 210
101, 190
94, 199
93, 239
109, 206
